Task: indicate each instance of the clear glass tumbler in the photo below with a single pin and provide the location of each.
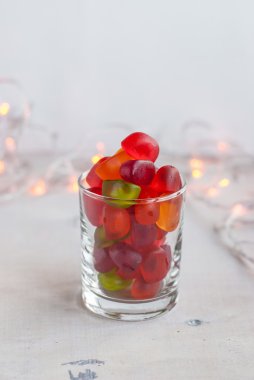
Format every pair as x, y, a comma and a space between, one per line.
131, 252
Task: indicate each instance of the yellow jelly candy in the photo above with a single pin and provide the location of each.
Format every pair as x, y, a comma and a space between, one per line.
170, 212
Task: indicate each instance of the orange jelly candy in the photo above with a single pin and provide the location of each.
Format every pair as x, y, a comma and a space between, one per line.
110, 168
170, 212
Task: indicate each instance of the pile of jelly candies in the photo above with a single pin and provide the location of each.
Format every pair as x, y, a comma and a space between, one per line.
130, 250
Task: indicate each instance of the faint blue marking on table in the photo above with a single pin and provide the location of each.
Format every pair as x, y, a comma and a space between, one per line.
88, 375
85, 362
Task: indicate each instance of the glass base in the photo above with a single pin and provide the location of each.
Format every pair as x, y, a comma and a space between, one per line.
127, 310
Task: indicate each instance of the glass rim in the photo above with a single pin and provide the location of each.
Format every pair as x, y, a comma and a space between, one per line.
136, 200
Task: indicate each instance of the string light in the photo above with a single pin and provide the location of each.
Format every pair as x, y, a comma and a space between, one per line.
4, 109
39, 188
2, 166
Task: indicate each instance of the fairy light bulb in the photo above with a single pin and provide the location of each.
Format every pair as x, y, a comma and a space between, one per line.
224, 182
39, 188
4, 109
212, 192
2, 167
96, 158
73, 185
10, 144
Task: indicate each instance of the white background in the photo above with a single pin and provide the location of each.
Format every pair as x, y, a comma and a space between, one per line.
88, 63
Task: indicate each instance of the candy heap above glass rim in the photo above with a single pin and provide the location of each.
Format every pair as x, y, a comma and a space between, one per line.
124, 202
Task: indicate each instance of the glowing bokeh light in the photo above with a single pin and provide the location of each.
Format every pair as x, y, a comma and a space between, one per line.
197, 173
224, 182
4, 109
96, 158
238, 210
196, 163
222, 146
39, 188
212, 192
73, 185
10, 144
100, 146
2, 166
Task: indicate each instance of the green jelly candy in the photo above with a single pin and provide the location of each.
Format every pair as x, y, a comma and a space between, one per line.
100, 238
111, 281
125, 192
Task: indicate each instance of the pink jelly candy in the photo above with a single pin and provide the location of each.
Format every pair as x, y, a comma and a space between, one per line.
155, 266
116, 222
147, 213
167, 180
102, 260
126, 259
93, 207
141, 146
143, 236
140, 172
142, 290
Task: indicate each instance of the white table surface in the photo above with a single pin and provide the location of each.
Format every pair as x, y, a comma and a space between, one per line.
43, 324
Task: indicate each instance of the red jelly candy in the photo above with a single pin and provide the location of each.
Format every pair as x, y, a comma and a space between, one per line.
147, 213
102, 260
141, 290
167, 180
126, 259
116, 222
155, 266
92, 178
141, 146
148, 192
93, 207
143, 236
167, 249
140, 172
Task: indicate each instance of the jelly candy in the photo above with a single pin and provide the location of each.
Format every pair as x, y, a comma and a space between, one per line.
170, 212
124, 192
155, 266
167, 249
141, 290
126, 259
161, 237
148, 192
93, 206
147, 213
141, 146
143, 236
102, 260
167, 180
110, 168
92, 178
140, 172
116, 222
111, 281
100, 238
